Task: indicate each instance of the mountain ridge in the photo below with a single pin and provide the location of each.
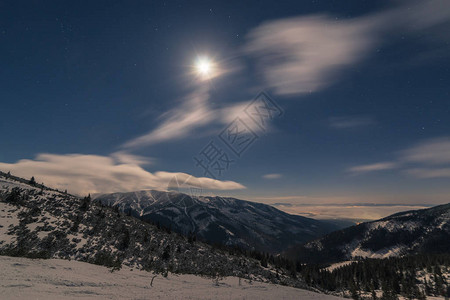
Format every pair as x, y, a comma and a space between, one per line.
224, 220
40, 222
410, 232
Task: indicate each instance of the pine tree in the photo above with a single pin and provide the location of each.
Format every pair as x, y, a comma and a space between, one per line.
85, 202
354, 292
166, 253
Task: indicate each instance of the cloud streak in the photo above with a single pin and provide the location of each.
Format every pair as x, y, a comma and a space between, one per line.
178, 122
373, 167
427, 159
433, 156
302, 55
306, 54
272, 176
429, 173
82, 174
350, 122
433, 152
193, 113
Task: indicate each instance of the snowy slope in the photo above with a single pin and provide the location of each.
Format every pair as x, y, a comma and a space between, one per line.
23, 278
410, 232
220, 220
38, 222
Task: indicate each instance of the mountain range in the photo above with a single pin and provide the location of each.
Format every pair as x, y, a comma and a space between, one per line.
222, 220
404, 254
40, 222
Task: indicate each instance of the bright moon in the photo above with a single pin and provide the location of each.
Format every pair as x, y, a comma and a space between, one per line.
204, 67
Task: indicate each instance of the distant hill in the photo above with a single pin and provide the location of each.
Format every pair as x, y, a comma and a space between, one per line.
410, 232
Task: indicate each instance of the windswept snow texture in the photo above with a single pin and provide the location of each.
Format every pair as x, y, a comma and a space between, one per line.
410, 232
227, 221
23, 278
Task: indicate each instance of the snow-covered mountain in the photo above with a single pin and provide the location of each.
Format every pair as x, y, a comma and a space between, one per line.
410, 232
221, 220
39, 222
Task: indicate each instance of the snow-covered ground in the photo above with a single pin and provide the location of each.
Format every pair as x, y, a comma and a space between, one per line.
335, 266
8, 217
23, 278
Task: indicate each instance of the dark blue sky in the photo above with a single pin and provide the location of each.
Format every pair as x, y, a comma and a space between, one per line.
364, 86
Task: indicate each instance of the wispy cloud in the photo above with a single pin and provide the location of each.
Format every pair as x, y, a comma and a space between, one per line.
432, 156
300, 55
193, 113
305, 54
229, 113
434, 151
349, 122
427, 159
429, 173
178, 122
373, 167
133, 159
272, 176
82, 174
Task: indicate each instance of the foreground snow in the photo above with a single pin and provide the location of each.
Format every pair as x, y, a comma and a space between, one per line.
23, 278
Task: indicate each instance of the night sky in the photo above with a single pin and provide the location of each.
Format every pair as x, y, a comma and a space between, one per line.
105, 96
